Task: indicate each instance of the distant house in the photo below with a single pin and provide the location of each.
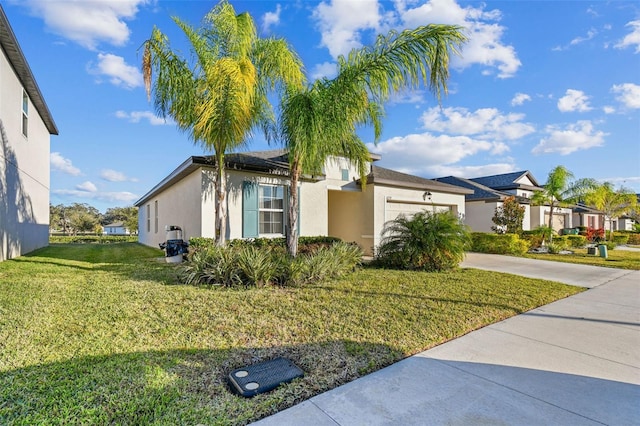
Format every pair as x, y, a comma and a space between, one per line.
589, 217
25, 128
116, 228
481, 205
490, 191
333, 204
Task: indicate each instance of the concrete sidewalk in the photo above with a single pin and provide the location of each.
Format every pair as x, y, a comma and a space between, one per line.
574, 361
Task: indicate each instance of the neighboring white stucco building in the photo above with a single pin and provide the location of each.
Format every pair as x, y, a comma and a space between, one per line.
333, 204
489, 193
25, 128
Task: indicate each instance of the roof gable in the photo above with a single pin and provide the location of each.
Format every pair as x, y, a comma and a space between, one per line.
480, 192
513, 180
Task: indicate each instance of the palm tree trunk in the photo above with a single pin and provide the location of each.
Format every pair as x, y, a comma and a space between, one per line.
551, 223
221, 203
292, 225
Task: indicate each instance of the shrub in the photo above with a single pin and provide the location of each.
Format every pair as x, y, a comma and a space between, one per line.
634, 239
212, 265
258, 267
92, 239
425, 241
557, 245
595, 235
576, 241
620, 238
498, 243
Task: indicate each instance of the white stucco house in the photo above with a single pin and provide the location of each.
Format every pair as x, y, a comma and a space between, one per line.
25, 128
333, 204
116, 228
490, 191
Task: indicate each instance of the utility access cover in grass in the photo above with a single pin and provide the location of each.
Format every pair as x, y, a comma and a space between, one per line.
263, 377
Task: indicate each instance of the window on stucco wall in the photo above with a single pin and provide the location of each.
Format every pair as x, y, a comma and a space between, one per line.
25, 114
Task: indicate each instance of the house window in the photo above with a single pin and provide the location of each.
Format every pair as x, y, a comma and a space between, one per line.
345, 175
148, 217
25, 113
155, 210
592, 222
271, 209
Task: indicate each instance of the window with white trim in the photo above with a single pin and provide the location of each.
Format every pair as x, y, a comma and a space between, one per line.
155, 209
25, 114
271, 209
148, 217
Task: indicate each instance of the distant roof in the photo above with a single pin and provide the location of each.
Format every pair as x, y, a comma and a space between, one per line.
507, 181
115, 225
380, 175
480, 192
10, 46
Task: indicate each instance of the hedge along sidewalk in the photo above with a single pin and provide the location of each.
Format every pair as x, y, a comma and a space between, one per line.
106, 334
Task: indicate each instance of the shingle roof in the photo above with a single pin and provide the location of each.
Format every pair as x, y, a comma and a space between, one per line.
380, 175
506, 180
10, 46
272, 162
480, 192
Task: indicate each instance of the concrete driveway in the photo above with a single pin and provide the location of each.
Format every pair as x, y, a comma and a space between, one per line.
573, 362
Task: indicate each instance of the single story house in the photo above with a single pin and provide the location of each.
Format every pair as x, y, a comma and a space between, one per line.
491, 190
26, 126
116, 228
482, 204
589, 217
332, 204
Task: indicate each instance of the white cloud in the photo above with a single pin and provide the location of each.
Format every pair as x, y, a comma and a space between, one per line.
123, 197
64, 165
416, 153
137, 116
484, 123
340, 22
608, 109
271, 19
519, 99
632, 39
344, 22
574, 137
115, 176
484, 47
325, 69
408, 97
590, 34
574, 100
87, 186
117, 71
88, 23
471, 171
628, 94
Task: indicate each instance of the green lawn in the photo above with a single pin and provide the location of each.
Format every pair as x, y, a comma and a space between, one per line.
105, 334
622, 259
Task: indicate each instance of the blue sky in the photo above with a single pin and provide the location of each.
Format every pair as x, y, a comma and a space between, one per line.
540, 84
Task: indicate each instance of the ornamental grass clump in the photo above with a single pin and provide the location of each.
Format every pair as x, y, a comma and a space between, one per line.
251, 266
425, 241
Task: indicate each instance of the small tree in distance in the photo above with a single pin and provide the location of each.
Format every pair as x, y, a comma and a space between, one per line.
508, 217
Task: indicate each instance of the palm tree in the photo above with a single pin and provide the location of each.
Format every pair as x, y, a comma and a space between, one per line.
613, 203
220, 96
320, 121
425, 241
561, 191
